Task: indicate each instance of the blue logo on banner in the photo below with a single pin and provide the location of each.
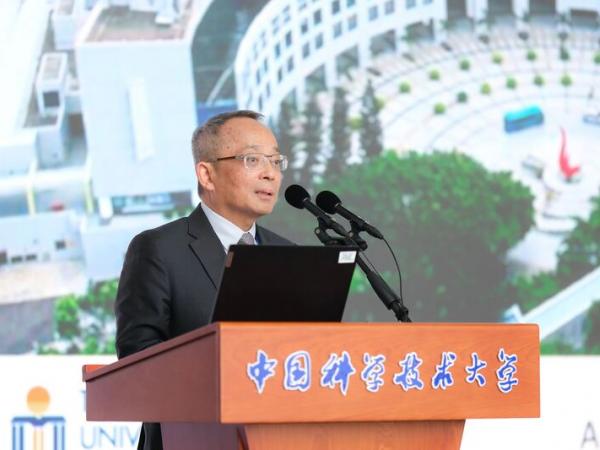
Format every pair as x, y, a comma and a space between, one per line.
297, 372
474, 370
261, 370
373, 371
409, 378
506, 372
337, 370
32, 432
442, 377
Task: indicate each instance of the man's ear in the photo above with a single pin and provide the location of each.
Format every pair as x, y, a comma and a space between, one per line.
204, 173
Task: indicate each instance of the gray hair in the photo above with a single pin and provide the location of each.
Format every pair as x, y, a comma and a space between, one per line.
205, 140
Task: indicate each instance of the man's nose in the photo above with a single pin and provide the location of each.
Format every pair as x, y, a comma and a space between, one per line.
268, 170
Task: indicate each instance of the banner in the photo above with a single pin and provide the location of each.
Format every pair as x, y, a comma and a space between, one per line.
43, 407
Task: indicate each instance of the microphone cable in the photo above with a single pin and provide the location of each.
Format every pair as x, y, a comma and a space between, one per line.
397, 266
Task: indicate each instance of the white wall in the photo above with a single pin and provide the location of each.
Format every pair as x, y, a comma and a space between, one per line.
37, 234
17, 153
105, 246
22, 30
106, 72
252, 52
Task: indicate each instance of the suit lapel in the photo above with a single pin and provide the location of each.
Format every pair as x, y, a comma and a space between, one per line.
261, 239
206, 245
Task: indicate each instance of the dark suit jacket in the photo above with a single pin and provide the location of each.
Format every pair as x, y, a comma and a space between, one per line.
168, 286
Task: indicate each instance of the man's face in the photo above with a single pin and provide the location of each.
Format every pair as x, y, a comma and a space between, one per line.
239, 194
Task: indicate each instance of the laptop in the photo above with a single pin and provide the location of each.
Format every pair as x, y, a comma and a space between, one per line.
262, 283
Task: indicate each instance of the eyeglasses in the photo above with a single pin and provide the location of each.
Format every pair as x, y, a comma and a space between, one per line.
255, 160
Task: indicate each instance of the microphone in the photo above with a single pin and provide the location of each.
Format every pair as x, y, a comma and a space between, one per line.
331, 203
299, 198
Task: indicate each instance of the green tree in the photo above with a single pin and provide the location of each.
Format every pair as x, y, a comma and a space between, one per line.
434, 75
286, 138
462, 97
340, 132
592, 338
581, 250
530, 291
558, 347
538, 80
371, 133
85, 324
451, 222
313, 139
66, 317
404, 87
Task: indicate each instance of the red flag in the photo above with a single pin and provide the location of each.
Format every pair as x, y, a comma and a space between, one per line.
563, 160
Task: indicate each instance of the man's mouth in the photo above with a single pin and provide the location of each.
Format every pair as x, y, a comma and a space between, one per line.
265, 193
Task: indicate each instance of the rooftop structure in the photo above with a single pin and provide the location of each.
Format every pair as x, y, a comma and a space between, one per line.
65, 7
123, 23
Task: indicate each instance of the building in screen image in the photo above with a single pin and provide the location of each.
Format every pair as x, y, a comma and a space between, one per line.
102, 97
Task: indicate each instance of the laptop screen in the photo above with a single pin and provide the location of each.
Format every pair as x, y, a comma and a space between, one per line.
284, 283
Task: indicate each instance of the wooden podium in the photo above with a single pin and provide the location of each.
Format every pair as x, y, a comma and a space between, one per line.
274, 386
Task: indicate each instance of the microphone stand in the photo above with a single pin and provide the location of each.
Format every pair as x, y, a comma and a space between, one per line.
381, 288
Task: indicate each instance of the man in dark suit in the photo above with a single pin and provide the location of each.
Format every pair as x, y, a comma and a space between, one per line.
171, 273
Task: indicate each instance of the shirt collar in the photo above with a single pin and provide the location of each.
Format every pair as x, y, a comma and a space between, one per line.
227, 232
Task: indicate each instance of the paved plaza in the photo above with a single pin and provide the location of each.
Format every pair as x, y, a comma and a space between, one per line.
567, 88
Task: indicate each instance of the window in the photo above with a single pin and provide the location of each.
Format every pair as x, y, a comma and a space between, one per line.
337, 29
260, 103
319, 40
301, 4
373, 12
263, 39
288, 38
277, 51
304, 26
257, 77
352, 22
60, 245
290, 64
265, 65
335, 7
427, 2
317, 17
305, 50
275, 25
389, 7
279, 75
350, 3
51, 99
268, 91
410, 4
286, 14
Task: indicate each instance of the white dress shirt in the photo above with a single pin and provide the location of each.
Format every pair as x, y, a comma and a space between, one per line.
227, 232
